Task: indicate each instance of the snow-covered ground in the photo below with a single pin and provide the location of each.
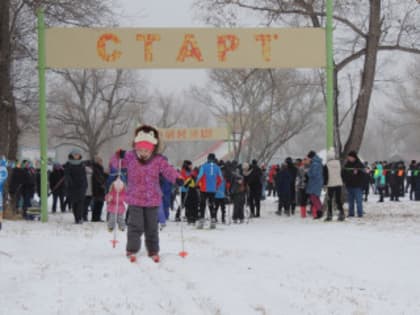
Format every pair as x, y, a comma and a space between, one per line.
273, 265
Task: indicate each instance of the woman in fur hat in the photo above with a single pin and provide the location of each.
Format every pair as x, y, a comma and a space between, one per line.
144, 166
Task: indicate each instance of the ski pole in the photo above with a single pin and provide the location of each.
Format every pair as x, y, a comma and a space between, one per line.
114, 241
183, 253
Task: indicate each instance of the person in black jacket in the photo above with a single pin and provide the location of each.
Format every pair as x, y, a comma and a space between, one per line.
354, 177
57, 186
99, 178
293, 174
253, 178
76, 183
410, 179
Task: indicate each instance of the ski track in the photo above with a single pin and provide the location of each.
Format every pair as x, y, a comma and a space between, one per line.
273, 265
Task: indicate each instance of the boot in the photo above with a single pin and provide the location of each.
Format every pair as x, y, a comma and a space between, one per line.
200, 224
303, 211
341, 216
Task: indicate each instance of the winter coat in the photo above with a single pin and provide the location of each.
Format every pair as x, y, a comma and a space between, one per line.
209, 177
111, 201
99, 178
301, 178
353, 174
293, 174
334, 174
143, 189
166, 188
89, 174
254, 179
282, 181
220, 193
379, 176
315, 177
57, 181
3, 178
76, 181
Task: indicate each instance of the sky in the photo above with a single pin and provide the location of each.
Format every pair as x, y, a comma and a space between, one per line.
163, 13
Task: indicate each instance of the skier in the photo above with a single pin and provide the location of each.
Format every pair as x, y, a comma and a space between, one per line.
379, 181
144, 165
209, 179
3, 178
220, 197
115, 203
191, 197
253, 179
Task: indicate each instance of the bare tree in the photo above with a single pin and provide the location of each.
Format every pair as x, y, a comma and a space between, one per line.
18, 54
362, 30
263, 108
92, 107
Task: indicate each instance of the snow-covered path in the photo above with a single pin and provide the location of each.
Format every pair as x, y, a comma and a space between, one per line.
274, 265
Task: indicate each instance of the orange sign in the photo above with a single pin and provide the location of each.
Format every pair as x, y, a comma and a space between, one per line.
193, 134
185, 48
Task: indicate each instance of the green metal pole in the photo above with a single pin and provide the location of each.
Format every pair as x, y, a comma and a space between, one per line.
42, 115
330, 75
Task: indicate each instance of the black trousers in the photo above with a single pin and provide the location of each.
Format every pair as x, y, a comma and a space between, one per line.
78, 207
334, 192
59, 197
207, 196
87, 204
98, 204
220, 203
255, 202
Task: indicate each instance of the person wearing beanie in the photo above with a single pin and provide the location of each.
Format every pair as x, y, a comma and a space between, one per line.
143, 195
315, 183
353, 175
76, 184
209, 179
185, 173
334, 183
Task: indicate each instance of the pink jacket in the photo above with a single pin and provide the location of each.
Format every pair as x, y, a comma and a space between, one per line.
111, 202
143, 188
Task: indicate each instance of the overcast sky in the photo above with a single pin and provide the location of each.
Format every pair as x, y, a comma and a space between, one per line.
163, 13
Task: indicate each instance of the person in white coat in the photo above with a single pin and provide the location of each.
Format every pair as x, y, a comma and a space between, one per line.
334, 183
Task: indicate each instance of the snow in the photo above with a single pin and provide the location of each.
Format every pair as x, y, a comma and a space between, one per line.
273, 265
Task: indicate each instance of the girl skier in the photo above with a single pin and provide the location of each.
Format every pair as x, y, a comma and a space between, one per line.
144, 165
115, 201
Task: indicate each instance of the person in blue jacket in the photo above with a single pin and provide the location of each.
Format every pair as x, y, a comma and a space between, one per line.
315, 183
209, 179
3, 178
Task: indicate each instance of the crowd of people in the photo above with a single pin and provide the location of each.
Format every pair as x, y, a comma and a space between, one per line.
140, 188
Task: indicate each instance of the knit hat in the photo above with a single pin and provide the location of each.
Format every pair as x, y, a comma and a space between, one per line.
145, 140
211, 157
